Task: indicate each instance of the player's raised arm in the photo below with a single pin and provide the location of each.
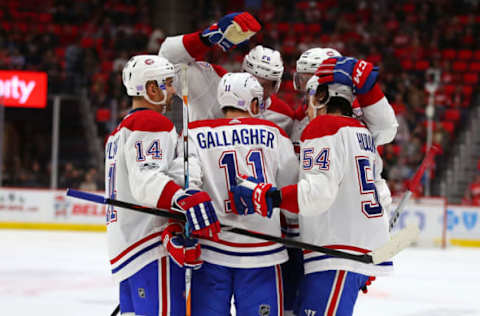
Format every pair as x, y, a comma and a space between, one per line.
362, 76
230, 30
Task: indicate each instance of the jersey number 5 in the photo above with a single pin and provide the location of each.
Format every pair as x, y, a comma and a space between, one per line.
371, 207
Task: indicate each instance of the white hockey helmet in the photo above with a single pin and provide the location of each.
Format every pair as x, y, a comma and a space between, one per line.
143, 68
308, 63
329, 91
238, 90
265, 63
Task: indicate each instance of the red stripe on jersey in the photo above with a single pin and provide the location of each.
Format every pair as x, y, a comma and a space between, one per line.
332, 306
135, 245
145, 120
290, 198
279, 289
219, 70
371, 97
325, 125
240, 245
341, 247
281, 106
235, 121
165, 200
164, 286
195, 46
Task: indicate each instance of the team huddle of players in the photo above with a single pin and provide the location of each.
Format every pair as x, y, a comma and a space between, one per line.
316, 176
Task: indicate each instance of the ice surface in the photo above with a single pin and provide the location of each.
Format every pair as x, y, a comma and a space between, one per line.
66, 274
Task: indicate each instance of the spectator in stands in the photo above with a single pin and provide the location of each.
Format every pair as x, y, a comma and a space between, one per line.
74, 56
89, 182
70, 176
474, 191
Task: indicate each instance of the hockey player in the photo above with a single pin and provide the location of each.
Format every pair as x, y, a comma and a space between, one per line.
336, 198
267, 66
222, 149
262, 62
374, 110
307, 64
138, 154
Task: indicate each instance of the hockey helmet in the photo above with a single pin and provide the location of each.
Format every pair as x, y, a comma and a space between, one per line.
143, 68
238, 90
266, 63
308, 63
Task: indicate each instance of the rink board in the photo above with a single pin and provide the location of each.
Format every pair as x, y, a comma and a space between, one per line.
48, 209
440, 224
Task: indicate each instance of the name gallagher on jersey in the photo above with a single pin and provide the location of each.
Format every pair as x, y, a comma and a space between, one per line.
246, 136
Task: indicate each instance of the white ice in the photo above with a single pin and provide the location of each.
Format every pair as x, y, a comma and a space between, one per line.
66, 274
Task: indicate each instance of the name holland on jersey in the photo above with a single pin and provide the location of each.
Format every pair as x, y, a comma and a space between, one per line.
244, 136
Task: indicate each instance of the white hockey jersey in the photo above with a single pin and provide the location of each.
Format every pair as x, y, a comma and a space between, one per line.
337, 198
137, 155
203, 79
220, 150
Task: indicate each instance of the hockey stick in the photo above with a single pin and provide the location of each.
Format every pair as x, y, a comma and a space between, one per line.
426, 163
397, 243
186, 175
115, 311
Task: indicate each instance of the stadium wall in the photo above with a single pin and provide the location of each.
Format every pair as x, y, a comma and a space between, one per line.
440, 224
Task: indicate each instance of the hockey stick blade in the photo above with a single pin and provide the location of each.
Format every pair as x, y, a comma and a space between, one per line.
401, 240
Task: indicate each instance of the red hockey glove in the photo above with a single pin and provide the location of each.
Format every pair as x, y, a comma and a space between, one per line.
200, 213
185, 252
232, 29
360, 75
251, 196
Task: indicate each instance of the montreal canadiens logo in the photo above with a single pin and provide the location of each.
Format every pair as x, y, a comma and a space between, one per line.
149, 61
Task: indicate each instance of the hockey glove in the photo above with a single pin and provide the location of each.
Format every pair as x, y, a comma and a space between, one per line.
185, 252
251, 196
200, 213
232, 29
360, 75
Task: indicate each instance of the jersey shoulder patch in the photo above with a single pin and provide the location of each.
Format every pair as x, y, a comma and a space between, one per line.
280, 106
146, 120
325, 125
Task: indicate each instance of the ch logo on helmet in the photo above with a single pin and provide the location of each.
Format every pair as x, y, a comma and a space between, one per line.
149, 61
264, 310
